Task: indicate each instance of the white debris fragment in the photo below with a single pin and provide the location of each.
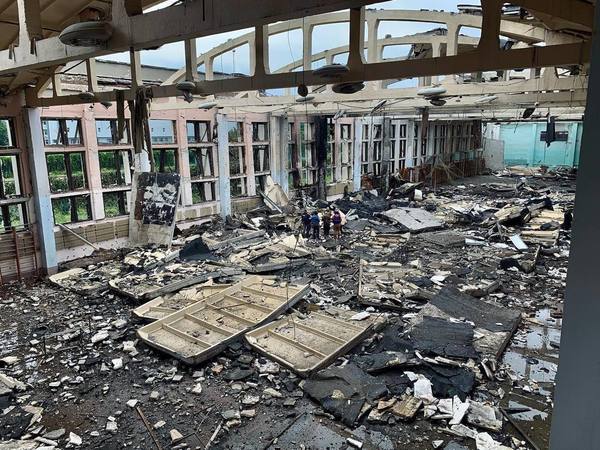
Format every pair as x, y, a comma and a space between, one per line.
197, 389
459, 409
75, 439
176, 436
360, 316
117, 363
423, 390
132, 403
99, 336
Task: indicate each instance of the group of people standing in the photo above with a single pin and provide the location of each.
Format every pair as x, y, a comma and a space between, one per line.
311, 224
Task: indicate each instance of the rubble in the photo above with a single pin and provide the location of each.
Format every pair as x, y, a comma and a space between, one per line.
387, 338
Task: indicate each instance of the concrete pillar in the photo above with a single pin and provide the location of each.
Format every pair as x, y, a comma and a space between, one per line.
184, 161
278, 149
410, 143
576, 410
321, 151
41, 190
223, 151
356, 163
386, 154
249, 157
92, 163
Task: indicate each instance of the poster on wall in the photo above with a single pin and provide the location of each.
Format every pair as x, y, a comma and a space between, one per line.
153, 212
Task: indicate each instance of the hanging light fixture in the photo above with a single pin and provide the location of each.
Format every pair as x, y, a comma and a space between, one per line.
348, 88
331, 71
86, 34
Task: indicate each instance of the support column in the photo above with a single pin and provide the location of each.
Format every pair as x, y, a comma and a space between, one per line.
278, 147
223, 151
386, 154
321, 150
41, 190
184, 161
576, 410
356, 160
92, 162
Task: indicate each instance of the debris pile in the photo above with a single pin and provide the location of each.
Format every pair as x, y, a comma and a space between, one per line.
434, 321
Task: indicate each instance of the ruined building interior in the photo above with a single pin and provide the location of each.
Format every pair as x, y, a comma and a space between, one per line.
311, 224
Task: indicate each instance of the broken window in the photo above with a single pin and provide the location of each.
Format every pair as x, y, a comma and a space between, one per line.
261, 182
260, 132
162, 131
107, 132
61, 132
66, 171
293, 173
202, 163
331, 152
165, 160
13, 216
346, 132
115, 168
237, 160
238, 187
72, 209
198, 132
7, 134
203, 192
307, 154
235, 132
10, 185
116, 203
261, 158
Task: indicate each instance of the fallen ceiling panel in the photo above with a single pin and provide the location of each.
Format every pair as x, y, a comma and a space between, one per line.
307, 343
202, 330
169, 303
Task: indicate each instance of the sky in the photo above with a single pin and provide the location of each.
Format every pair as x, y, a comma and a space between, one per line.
287, 47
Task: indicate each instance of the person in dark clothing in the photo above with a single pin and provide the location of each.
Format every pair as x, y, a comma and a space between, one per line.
316, 225
305, 224
326, 223
337, 224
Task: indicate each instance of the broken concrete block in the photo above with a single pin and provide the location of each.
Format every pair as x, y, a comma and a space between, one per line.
175, 435
248, 413
132, 403
159, 424
117, 363
273, 393
197, 389
230, 414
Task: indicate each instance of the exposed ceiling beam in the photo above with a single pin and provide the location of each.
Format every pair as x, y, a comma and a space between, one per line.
576, 12
175, 23
476, 61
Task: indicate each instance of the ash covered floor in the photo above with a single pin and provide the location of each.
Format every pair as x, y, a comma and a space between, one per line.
75, 374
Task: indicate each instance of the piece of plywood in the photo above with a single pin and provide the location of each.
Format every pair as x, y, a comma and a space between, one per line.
413, 219
202, 330
307, 343
169, 303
